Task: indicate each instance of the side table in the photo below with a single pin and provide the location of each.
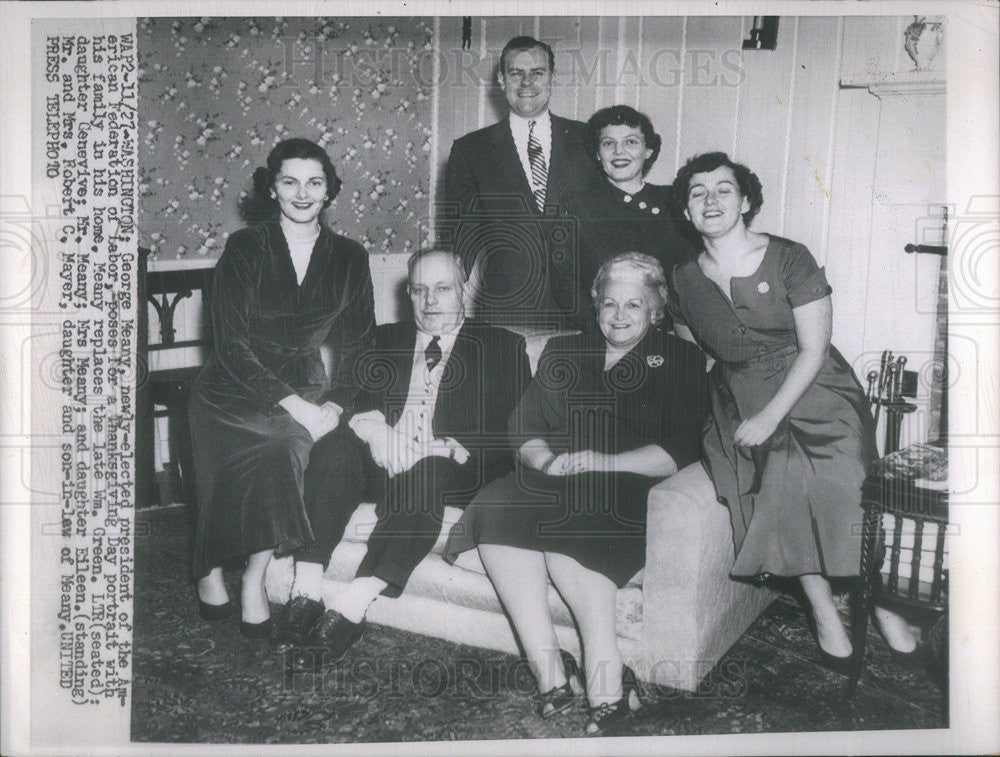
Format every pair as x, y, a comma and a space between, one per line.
905, 496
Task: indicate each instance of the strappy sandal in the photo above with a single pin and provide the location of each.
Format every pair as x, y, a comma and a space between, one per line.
609, 715
559, 699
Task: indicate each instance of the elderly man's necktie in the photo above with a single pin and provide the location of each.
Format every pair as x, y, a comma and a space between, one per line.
432, 354
539, 171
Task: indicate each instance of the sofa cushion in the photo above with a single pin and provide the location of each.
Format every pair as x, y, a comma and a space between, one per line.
466, 584
434, 579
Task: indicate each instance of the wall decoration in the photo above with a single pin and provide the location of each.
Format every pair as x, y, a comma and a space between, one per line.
216, 94
922, 40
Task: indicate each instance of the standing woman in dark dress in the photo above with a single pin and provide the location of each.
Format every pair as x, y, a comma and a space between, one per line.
622, 212
609, 414
791, 435
282, 286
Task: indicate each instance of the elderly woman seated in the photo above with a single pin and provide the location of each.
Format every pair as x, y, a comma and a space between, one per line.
608, 415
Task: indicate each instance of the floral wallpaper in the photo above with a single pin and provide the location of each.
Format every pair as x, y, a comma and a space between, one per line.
216, 94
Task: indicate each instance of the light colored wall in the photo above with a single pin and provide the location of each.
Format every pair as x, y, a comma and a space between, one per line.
889, 158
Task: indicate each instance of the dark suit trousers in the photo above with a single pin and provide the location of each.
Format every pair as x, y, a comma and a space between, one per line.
340, 476
409, 507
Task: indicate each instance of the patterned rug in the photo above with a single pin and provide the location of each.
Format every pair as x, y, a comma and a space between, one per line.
196, 681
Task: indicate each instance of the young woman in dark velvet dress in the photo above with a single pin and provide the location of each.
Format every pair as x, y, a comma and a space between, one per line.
281, 287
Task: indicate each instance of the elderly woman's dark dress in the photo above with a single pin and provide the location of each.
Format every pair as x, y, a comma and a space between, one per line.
794, 501
655, 394
267, 328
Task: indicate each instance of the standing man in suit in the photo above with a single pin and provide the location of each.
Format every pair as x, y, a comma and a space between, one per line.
504, 186
429, 430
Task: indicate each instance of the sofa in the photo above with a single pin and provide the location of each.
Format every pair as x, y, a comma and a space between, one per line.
676, 617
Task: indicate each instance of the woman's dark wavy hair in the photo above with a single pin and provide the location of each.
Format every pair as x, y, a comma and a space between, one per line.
746, 179
259, 205
623, 115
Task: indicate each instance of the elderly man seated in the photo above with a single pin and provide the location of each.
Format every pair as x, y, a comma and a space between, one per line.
428, 430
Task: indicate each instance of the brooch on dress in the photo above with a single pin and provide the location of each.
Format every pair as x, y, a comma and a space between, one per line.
763, 287
654, 361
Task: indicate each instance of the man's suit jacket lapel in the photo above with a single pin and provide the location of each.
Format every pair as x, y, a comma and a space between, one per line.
461, 376
506, 160
399, 351
558, 178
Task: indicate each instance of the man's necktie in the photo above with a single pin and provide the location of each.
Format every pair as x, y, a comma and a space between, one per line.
432, 355
539, 171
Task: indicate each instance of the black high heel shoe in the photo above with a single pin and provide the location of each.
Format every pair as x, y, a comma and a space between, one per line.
255, 631
214, 612
914, 660
608, 715
842, 665
559, 699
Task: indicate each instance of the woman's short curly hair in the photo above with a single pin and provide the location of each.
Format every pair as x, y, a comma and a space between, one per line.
746, 180
623, 115
653, 279
259, 205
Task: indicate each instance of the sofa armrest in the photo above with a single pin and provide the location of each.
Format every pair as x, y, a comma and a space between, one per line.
693, 610
689, 550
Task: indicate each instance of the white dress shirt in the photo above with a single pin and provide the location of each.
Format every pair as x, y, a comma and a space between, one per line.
543, 132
